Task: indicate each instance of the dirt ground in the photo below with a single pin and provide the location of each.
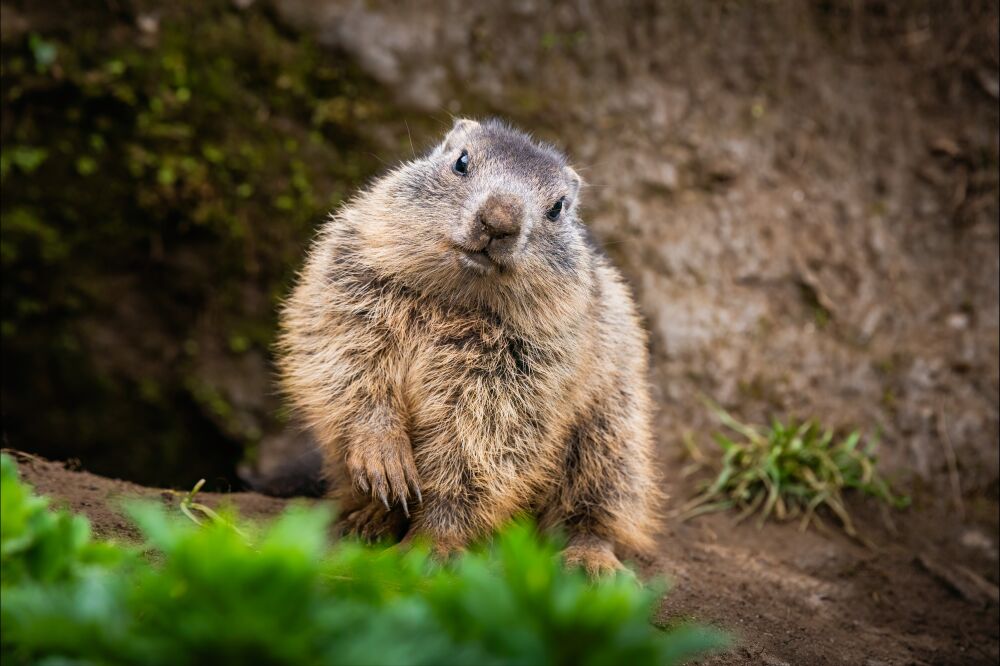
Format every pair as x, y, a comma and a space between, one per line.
99, 498
789, 597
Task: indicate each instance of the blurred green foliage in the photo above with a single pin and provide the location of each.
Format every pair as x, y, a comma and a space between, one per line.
36, 544
282, 595
158, 190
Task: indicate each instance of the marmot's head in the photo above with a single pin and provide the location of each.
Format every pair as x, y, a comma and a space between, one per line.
488, 208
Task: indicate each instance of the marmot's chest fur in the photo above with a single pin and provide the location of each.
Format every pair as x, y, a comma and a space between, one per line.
502, 397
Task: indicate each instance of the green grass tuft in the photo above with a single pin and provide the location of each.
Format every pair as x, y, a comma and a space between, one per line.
788, 471
202, 592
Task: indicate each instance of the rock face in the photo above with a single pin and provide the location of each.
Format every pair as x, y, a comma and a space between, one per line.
804, 198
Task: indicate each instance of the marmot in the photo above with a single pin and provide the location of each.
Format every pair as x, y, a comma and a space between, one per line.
463, 353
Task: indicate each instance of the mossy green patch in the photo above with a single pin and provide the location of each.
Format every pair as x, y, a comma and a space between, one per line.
158, 190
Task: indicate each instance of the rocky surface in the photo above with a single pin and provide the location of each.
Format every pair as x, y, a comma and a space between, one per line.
803, 197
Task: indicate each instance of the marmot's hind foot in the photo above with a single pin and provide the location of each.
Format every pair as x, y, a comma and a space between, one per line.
596, 558
372, 523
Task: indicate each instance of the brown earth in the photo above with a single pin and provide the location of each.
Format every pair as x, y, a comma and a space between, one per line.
789, 597
100, 499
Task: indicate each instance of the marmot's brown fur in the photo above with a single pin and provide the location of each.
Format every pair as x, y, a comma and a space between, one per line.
464, 354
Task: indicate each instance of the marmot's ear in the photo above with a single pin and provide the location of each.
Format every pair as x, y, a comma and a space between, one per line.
459, 132
575, 182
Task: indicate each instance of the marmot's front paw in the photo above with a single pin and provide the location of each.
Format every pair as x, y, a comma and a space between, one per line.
386, 470
596, 558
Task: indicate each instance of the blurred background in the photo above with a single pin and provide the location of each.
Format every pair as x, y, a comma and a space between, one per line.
803, 196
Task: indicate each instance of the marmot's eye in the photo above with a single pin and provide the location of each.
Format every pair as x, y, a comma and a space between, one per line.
556, 209
461, 167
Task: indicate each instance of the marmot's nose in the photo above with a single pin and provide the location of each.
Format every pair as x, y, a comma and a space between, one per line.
500, 216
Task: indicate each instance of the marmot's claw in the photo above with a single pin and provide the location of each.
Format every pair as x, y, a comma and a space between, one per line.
386, 471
